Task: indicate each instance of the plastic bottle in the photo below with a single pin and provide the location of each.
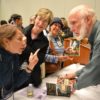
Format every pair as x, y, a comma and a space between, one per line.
30, 90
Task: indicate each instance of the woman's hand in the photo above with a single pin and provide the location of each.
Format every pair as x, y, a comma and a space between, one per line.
33, 60
64, 58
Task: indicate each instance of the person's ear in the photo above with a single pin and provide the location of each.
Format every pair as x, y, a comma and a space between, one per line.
89, 20
6, 41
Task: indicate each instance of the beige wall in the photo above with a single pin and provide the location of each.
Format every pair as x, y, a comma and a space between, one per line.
0, 8
28, 8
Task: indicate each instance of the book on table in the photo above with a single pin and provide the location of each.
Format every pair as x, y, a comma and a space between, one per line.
63, 88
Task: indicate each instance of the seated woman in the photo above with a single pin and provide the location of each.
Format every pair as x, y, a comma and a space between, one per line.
12, 43
56, 49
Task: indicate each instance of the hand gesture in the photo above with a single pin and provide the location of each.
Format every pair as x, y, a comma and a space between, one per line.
33, 59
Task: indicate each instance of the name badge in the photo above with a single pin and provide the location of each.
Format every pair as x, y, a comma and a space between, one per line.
59, 43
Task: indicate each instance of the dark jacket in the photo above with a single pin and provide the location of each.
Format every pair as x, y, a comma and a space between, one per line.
90, 75
32, 45
11, 76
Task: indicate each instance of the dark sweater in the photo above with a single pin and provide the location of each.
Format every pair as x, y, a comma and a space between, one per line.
32, 45
11, 76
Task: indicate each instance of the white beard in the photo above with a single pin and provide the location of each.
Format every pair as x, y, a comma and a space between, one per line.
83, 30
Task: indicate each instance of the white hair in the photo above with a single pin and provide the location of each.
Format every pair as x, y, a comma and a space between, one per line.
84, 11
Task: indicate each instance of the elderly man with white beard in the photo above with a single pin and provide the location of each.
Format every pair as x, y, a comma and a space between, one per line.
83, 22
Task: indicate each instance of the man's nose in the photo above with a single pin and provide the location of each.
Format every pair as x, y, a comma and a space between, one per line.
72, 29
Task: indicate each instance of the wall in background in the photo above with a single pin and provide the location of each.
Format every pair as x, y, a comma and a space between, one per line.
0, 8
27, 8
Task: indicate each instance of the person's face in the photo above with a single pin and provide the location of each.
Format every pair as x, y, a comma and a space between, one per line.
17, 44
19, 22
78, 26
75, 24
40, 23
55, 29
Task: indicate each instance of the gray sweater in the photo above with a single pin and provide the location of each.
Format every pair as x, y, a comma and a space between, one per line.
90, 75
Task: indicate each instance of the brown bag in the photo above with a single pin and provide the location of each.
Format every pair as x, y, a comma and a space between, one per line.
52, 67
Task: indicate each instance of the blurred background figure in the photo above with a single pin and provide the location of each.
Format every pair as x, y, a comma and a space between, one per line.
32, 18
66, 33
17, 20
2, 22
